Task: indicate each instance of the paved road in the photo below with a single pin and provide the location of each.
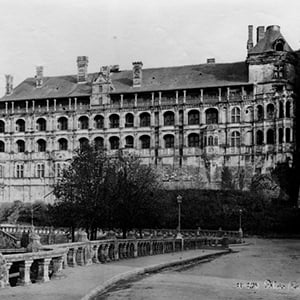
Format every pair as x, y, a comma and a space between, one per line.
227, 277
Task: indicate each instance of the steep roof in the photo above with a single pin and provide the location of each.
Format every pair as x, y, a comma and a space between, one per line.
266, 44
155, 79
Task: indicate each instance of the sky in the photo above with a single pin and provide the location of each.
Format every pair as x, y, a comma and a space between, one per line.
160, 33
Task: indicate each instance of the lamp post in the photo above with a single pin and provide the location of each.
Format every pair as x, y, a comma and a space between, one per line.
240, 228
179, 201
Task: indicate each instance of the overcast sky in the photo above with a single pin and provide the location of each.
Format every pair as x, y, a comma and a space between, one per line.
53, 33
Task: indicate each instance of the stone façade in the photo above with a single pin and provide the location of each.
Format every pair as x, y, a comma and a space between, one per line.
189, 122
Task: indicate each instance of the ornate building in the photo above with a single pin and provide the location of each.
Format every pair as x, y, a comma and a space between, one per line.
189, 121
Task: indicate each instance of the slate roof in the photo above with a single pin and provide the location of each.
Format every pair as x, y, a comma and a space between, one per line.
266, 44
155, 79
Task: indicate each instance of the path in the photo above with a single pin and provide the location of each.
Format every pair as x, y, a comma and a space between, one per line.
78, 282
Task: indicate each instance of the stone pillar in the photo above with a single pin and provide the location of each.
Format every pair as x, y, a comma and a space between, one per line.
159, 98
70, 103
151, 248
116, 251
201, 95
33, 105
135, 100
43, 270
57, 265
220, 94
122, 101
80, 256
6, 107
4, 282
12, 107
24, 270
54, 106
184, 96
71, 257
176, 97
95, 254
135, 249
152, 98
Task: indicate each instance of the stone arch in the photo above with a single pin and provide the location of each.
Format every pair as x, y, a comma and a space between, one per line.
41, 124
169, 118
193, 117
83, 122
212, 116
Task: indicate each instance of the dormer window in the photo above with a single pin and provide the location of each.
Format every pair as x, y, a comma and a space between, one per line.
279, 45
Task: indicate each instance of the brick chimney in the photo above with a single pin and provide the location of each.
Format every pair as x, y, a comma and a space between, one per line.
137, 73
250, 37
9, 84
39, 76
82, 64
260, 33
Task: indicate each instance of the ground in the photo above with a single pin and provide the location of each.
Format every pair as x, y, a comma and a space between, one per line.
266, 269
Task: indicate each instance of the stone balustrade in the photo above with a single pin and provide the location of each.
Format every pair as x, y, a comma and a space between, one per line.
41, 266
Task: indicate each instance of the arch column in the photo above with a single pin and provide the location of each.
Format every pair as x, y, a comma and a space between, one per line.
24, 270
43, 270
6, 276
95, 259
72, 257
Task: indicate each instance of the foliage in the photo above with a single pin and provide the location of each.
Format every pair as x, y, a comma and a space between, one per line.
227, 181
24, 213
98, 191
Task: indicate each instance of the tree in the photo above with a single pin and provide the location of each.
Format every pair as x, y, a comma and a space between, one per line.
97, 191
134, 191
227, 179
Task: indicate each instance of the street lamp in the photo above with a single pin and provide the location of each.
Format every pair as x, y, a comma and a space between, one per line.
179, 201
240, 229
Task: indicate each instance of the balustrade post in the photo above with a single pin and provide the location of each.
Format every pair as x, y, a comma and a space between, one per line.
80, 256
57, 265
43, 270
5, 279
116, 251
24, 270
106, 254
151, 248
95, 259
136, 249
72, 257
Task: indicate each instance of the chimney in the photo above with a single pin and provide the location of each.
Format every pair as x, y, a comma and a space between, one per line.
9, 84
260, 33
210, 60
39, 76
250, 37
137, 73
82, 64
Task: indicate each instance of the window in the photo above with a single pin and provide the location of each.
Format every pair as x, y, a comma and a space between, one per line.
287, 110
2, 126
129, 120
145, 142
58, 169
210, 141
193, 140
20, 146
281, 112
99, 143
83, 122
62, 144
211, 116
83, 142
235, 115
278, 72
280, 135
19, 171
260, 113
41, 124
287, 135
40, 170
41, 145
270, 111
145, 120
169, 118
129, 142
259, 137
1, 171
2, 146
62, 123
99, 122
193, 117
20, 125
114, 142
270, 136
114, 121
169, 141
235, 139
